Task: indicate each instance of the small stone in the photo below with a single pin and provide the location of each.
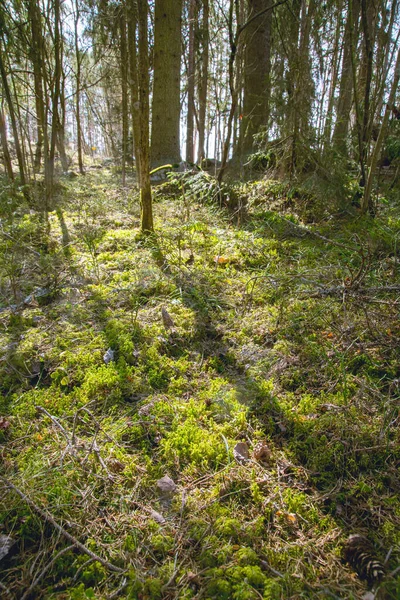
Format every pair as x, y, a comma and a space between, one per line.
166, 487
6, 543
241, 452
108, 356
157, 517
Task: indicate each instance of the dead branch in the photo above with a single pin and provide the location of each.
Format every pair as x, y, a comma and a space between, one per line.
50, 519
44, 571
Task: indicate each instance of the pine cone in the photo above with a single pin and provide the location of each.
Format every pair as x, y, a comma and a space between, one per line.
360, 554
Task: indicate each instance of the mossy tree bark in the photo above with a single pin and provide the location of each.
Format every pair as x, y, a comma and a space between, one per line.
165, 141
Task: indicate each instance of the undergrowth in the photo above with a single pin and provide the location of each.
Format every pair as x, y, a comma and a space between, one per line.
283, 334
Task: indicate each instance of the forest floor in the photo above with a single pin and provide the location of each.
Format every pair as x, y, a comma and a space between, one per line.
256, 365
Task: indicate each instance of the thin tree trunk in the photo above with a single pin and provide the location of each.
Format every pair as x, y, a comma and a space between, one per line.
78, 89
203, 80
124, 89
4, 145
346, 88
133, 79
367, 202
11, 113
147, 225
191, 84
49, 174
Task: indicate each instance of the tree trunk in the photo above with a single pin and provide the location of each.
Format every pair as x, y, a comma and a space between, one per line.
11, 113
203, 80
133, 79
4, 146
191, 84
165, 140
124, 90
257, 67
339, 140
147, 225
367, 202
78, 60
49, 171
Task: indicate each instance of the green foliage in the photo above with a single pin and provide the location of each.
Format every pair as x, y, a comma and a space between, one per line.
261, 353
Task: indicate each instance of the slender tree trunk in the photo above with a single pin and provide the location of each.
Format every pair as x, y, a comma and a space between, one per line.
133, 79
367, 67
346, 88
78, 60
147, 225
49, 171
191, 84
124, 88
334, 79
14, 125
4, 146
203, 80
367, 201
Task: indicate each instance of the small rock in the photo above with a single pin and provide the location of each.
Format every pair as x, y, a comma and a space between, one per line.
108, 356
166, 487
156, 516
241, 452
6, 543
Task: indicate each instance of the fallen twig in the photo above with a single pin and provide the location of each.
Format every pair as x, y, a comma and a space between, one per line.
44, 571
50, 519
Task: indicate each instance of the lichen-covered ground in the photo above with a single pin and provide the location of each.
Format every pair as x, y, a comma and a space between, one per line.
282, 340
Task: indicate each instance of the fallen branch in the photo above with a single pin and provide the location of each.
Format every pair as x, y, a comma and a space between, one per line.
50, 519
44, 571
340, 290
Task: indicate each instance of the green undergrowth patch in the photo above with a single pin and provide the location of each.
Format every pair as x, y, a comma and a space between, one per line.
255, 365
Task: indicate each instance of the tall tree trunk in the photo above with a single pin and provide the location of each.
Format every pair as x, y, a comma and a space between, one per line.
203, 79
37, 52
191, 84
133, 79
367, 202
367, 17
49, 172
124, 89
165, 141
341, 129
257, 67
334, 78
14, 125
60, 140
78, 59
147, 225
4, 145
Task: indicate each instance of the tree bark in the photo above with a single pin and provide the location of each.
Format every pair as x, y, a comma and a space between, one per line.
165, 139
367, 202
133, 79
4, 146
147, 225
203, 80
339, 139
78, 60
257, 67
191, 84
11, 113
124, 90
